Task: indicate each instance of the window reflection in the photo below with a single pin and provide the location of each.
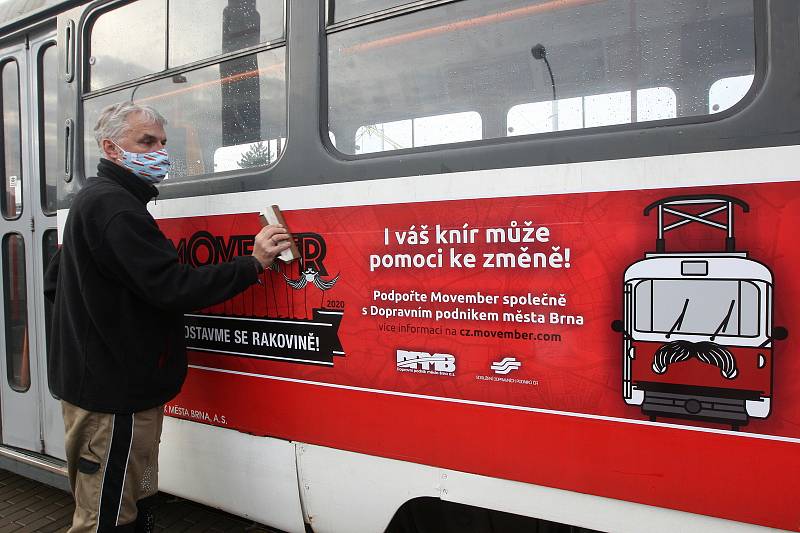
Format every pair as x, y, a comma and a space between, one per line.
226, 26
612, 62
235, 103
727, 92
347, 9
127, 42
248, 155
16, 313
48, 127
131, 41
12, 156
592, 111
423, 131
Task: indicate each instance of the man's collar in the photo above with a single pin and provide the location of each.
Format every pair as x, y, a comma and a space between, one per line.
135, 185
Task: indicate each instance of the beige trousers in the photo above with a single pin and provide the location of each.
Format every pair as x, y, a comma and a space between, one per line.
112, 462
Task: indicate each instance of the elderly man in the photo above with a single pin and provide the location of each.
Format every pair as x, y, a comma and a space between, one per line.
117, 352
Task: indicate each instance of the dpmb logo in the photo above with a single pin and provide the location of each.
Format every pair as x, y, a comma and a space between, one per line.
505, 366
442, 364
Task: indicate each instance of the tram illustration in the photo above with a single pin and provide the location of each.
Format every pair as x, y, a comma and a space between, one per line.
698, 333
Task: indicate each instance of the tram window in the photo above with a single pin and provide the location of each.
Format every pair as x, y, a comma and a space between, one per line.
126, 43
49, 248
174, 30
48, 127
591, 111
705, 307
347, 9
226, 26
234, 103
12, 155
16, 313
725, 93
477, 54
423, 131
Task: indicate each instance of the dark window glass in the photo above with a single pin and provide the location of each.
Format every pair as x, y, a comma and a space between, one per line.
15, 292
48, 127
222, 117
347, 9
612, 62
12, 155
225, 26
49, 248
127, 43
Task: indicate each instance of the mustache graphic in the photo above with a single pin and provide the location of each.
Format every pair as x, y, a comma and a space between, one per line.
708, 352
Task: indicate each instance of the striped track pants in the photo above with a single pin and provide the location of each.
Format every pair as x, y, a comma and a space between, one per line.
113, 463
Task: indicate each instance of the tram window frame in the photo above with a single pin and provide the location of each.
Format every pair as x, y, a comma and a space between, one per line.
328, 27
40, 74
85, 93
22, 177
4, 243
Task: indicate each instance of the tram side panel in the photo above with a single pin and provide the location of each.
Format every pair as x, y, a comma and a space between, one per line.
474, 335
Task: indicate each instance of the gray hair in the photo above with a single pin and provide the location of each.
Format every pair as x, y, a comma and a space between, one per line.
113, 121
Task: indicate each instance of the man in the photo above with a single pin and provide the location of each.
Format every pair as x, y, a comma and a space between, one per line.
117, 351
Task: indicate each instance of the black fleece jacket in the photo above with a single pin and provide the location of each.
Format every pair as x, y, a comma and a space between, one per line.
119, 293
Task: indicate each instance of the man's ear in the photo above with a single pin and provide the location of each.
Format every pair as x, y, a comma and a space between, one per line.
110, 150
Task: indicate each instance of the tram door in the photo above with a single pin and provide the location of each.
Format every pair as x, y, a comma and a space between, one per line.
31, 416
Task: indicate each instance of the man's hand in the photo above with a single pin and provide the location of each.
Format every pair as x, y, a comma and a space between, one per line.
270, 242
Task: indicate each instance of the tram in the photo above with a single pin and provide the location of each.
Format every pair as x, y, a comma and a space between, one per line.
464, 181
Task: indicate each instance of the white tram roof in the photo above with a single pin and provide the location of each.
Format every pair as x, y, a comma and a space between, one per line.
716, 265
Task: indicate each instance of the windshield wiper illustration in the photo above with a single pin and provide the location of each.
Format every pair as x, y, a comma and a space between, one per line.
724, 324
679, 321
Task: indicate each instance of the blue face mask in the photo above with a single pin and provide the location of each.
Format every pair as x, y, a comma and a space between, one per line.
152, 167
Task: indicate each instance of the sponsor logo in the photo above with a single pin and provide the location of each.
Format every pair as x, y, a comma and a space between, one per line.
505, 366
426, 363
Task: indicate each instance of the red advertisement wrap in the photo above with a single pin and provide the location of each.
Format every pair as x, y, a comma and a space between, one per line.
545, 339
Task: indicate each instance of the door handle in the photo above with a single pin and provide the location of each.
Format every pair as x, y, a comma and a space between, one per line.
69, 149
69, 51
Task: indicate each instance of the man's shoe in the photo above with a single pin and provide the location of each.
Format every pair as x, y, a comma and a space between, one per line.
146, 522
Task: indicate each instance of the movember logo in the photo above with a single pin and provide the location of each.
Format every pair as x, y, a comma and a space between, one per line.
204, 248
260, 334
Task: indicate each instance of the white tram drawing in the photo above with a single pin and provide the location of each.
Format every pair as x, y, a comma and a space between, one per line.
698, 333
